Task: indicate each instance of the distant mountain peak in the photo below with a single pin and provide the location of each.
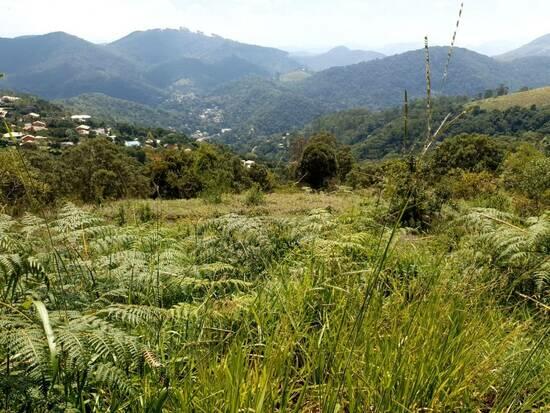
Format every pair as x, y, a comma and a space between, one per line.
338, 56
536, 48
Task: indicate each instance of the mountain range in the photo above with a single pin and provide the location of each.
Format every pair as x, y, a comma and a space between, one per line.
180, 74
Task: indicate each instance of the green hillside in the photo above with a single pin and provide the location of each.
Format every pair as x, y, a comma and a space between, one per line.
111, 109
539, 97
58, 65
381, 83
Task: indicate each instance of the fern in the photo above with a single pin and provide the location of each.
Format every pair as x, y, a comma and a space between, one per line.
520, 247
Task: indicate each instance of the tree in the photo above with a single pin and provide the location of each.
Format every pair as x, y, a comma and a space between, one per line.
489, 93
318, 165
502, 90
472, 153
260, 175
98, 170
345, 162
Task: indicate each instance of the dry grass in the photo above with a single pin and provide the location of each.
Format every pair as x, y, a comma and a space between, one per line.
539, 97
278, 204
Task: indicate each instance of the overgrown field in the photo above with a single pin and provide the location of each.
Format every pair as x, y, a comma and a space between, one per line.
297, 303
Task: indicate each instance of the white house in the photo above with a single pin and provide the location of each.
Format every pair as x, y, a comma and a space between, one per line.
15, 135
81, 118
248, 164
10, 99
132, 144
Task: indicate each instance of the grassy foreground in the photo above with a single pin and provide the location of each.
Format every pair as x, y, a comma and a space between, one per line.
304, 303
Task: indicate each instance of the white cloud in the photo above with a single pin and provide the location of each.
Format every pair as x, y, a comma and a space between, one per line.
287, 23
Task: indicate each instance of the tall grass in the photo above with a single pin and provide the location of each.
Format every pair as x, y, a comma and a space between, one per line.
263, 314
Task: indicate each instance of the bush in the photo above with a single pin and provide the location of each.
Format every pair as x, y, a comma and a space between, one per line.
527, 173
469, 185
254, 196
98, 170
260, 175
406, 187
21, 185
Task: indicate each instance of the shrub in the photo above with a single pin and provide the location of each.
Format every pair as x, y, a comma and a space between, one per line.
21, 184
260, 175
406, 184
471, 153
469, 185
254, 196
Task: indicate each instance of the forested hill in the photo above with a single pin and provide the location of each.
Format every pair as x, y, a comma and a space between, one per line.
154, 47
143, 67
381, 83
374, 135
378, 134
59, 65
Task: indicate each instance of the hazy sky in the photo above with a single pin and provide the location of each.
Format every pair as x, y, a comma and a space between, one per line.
295, 24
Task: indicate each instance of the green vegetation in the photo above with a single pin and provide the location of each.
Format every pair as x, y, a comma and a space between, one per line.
179, 277
301, 312
375, 135
111, 110
98, 170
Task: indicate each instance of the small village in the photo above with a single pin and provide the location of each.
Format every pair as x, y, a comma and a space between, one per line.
54, 130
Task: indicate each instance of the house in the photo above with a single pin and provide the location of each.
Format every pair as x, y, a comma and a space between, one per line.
248, 164
13, 135
101, 131
132, 144
81, 118
67, 144
83, 130
28, 140
39, 124
3, 113
10, 99
35, 127
33, 115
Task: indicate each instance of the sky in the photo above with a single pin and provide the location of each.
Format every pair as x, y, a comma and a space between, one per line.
490, 26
